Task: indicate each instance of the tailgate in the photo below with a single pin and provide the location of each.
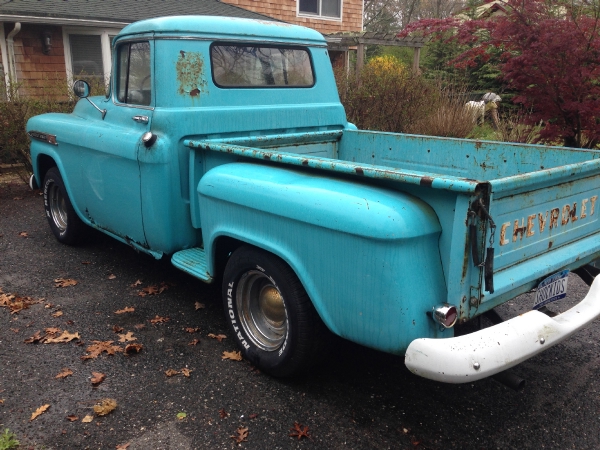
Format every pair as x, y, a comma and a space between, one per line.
546, 221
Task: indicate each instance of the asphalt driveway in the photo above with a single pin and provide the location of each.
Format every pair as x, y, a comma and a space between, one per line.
358, 399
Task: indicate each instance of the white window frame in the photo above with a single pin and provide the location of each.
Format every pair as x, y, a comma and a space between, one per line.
318, 16
4, 51
104, 34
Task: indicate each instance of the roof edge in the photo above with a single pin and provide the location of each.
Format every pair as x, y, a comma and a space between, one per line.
62, 21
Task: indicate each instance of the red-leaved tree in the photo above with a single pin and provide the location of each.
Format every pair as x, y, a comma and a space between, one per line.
549, 55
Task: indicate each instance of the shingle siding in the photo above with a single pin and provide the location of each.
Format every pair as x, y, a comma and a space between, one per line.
286, 10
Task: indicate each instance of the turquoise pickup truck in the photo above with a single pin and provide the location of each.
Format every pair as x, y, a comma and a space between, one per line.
222, 144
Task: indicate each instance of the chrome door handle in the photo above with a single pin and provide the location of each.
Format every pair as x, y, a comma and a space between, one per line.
140, 119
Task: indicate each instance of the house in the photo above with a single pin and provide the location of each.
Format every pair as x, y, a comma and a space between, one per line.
41, 41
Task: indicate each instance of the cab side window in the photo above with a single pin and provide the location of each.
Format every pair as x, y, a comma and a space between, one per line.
134, 81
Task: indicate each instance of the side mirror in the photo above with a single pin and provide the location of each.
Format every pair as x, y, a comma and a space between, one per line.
81, 89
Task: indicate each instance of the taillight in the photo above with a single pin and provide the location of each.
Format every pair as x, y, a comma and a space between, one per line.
445, 315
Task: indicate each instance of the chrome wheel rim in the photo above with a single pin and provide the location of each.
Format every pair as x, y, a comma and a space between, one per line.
261, 310
58, 208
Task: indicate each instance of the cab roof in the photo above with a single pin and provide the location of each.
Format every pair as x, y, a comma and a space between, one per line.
227, 28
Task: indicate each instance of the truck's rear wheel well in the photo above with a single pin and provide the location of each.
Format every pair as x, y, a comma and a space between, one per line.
224, 247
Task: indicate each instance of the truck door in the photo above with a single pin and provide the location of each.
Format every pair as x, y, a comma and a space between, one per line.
113, 200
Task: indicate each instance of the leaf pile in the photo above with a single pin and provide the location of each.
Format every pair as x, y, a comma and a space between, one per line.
16, 303
52, 336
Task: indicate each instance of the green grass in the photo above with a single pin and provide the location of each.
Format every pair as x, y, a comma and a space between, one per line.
8, 440
484, 132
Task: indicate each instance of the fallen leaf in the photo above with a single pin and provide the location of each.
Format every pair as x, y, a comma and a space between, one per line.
64, 337
171, 372
34, 339
127, 309
223, 414
139, 326
112, 276
155, 289
159, 319
41, 410
18, 198
122, 446
181, 415
133, 348
14, 330
137, 283
105, 406
57, 314
127, 337
218, 337
87, 419
52, 331
234, 356
117, 328
199, 305
97, 378
64, 282
299, 432
1, 401
66, 372
98, 347
416, 443
72, 418
253, 416
23, 234
192, 330
150, 290
48, 306
242, 435
186, 372
85, 262
194, 342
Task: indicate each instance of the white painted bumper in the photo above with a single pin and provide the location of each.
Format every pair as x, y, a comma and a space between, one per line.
484, 353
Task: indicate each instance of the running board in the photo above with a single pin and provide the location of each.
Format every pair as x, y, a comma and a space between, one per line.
192, 261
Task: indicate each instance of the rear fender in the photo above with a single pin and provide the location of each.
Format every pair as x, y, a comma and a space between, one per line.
368, 257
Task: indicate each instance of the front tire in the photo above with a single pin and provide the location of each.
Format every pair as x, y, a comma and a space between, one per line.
64, 222
269, 313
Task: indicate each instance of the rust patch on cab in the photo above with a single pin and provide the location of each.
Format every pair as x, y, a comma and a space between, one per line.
190, 74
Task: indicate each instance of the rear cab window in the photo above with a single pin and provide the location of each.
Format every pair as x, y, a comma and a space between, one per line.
261, 66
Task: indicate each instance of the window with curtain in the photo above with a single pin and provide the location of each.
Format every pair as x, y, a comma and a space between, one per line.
86, 56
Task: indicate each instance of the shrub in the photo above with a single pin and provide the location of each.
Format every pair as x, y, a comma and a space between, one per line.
449, 116
50, 96
25, 101
386, 96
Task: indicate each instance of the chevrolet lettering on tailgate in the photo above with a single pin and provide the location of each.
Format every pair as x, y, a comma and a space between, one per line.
554, 218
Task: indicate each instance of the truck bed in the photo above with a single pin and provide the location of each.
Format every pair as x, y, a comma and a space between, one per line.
526, 190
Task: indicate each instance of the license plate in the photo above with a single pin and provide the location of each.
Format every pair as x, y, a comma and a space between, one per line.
551, 289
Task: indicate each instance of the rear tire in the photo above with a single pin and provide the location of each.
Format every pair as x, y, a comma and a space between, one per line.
270, 314
64, 222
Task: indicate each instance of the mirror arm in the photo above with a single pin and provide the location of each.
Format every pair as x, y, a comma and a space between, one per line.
102, 111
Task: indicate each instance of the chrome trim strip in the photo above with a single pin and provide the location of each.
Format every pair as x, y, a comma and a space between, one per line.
44, 137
